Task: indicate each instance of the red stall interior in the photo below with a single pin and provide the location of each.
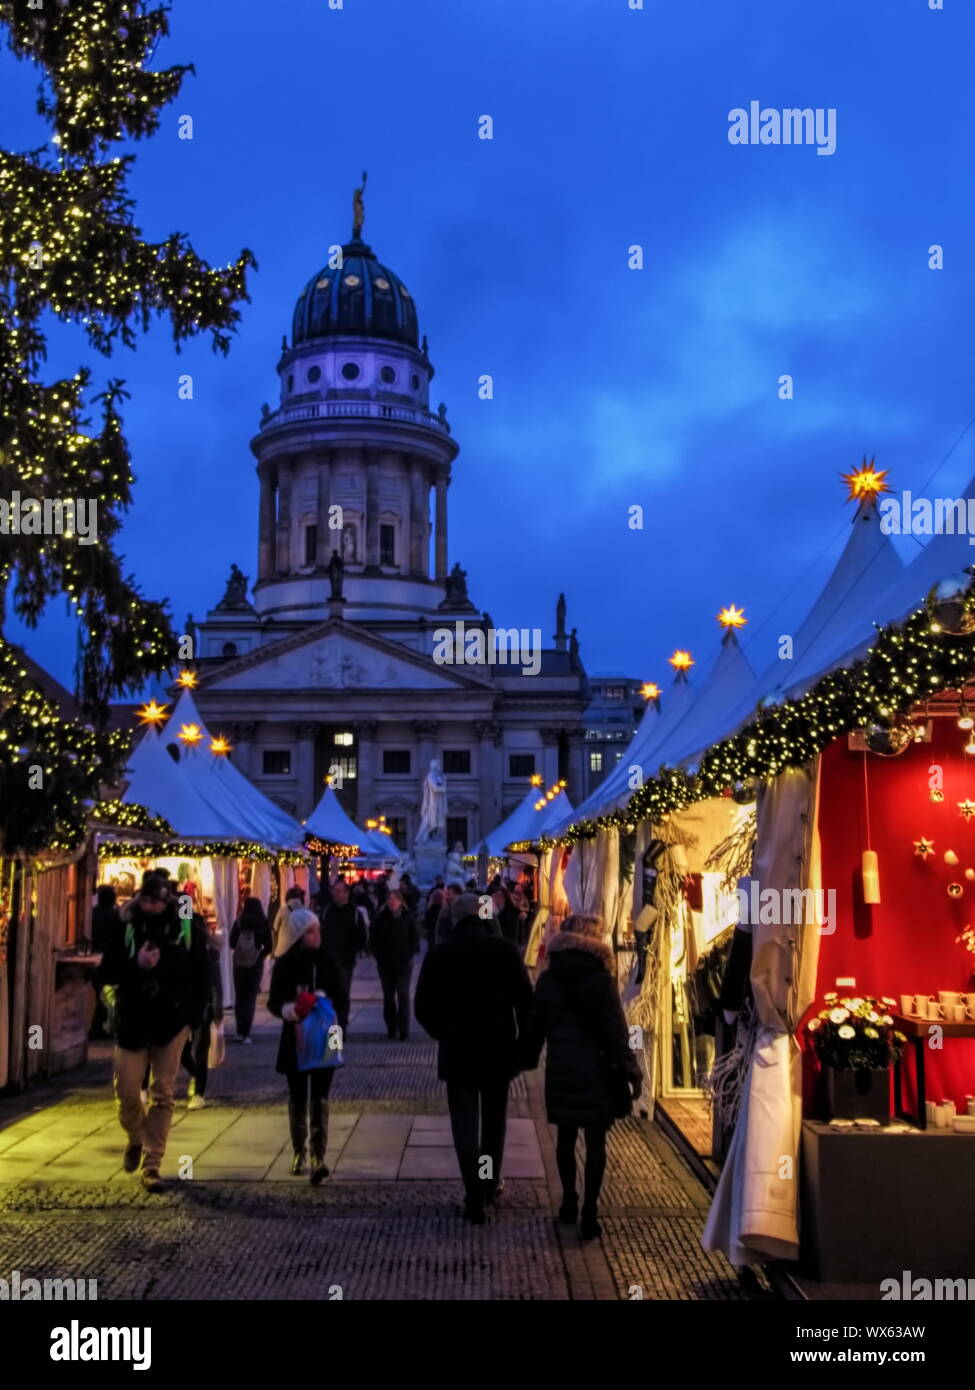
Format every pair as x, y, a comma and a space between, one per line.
908, 943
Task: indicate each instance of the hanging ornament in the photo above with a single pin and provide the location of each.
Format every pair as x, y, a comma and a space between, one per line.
970, 874
955, 890
967, 809
951, 857
950, 606
923, 847
869, 866
936, 796
870, 870
888, 742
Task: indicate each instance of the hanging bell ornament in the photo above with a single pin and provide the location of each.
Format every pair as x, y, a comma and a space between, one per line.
950, 605
955, 890
951, 857
936, 795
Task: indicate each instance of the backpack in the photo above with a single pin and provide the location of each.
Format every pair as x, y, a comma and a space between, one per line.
246, 953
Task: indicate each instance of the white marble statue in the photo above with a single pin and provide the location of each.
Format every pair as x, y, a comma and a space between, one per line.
454, 872
433, 809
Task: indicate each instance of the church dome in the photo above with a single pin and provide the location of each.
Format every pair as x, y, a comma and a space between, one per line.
364, 298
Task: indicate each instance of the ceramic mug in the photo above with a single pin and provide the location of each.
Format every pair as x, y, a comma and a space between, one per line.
932, 1009
949, 997
907, 1005
956, 1013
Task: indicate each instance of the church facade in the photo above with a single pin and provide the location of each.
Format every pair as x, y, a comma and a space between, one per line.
336, 662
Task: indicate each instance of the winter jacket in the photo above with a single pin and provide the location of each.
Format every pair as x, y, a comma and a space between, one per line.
298, 971
578, 1014
262, 941
104, 923
474, 997
151, 1006
343, 933
393, 940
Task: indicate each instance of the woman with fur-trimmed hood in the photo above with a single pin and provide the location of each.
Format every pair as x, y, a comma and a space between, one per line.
577, 1012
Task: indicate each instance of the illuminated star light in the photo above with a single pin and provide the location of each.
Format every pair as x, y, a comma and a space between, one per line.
967, 809
681, 660
732, 617
190, 733
650, 690
152, 713
923, 847
220, 746
189, 680
866, 482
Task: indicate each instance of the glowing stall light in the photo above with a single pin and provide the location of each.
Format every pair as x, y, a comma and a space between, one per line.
152, 713
866, 482
681, 660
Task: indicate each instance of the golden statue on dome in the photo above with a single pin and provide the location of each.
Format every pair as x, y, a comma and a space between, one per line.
358, 209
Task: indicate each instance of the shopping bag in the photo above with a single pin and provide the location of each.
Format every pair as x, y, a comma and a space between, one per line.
316, 1036
218, 1045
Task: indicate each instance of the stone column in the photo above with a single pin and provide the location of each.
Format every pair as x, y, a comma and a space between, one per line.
419, 518
372, 506
441, 556
265, 547
489, 769
426, 732
577, 766
327, 540
243, 750
304, 770
285, 477
365, 732
550, 757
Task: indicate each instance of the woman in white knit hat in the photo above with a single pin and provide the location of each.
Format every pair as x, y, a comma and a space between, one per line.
301, 971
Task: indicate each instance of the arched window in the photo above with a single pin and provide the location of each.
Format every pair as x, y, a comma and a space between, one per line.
230, 648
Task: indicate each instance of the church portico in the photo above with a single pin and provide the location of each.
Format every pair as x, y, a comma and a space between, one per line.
328, 668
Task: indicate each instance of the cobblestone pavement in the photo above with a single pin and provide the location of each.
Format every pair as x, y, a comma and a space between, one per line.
387, 1223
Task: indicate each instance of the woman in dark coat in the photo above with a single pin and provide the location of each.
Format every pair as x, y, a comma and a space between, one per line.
250, 942
301, 971
577, 1012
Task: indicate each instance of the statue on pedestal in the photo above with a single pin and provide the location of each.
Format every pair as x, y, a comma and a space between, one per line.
454, 872
433, 808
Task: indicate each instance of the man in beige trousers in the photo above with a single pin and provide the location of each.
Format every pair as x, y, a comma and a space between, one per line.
155, 968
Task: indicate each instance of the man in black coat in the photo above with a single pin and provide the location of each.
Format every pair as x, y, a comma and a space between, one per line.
156, 966
474, 997
343, 937
394, 940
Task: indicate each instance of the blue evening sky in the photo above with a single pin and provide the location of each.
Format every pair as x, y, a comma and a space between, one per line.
613, 387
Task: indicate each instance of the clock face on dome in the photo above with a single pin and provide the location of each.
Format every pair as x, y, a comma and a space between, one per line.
381, 284
352, 281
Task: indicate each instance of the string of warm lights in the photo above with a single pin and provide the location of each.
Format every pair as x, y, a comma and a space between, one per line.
212, 849
329, 847
908, 662
126, 815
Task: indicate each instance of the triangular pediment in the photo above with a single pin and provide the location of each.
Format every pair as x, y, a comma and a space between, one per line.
335, 655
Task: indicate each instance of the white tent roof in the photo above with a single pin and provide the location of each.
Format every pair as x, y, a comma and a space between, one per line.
160, 784
217, 780
655, 729
329, 822
377, 844
864, 572
514, 828
729, 679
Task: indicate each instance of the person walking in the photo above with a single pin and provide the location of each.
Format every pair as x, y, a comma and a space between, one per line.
394, 940
591, 1073
474, 998
250, 942
155, 969
301, 971
344, 935
196, 1052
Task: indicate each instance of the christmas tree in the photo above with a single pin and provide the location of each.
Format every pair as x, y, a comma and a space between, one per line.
69, 246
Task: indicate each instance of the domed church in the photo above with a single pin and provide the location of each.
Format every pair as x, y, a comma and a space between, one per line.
357, 652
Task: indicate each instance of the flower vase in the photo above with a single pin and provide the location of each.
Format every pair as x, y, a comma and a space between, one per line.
858, 1093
